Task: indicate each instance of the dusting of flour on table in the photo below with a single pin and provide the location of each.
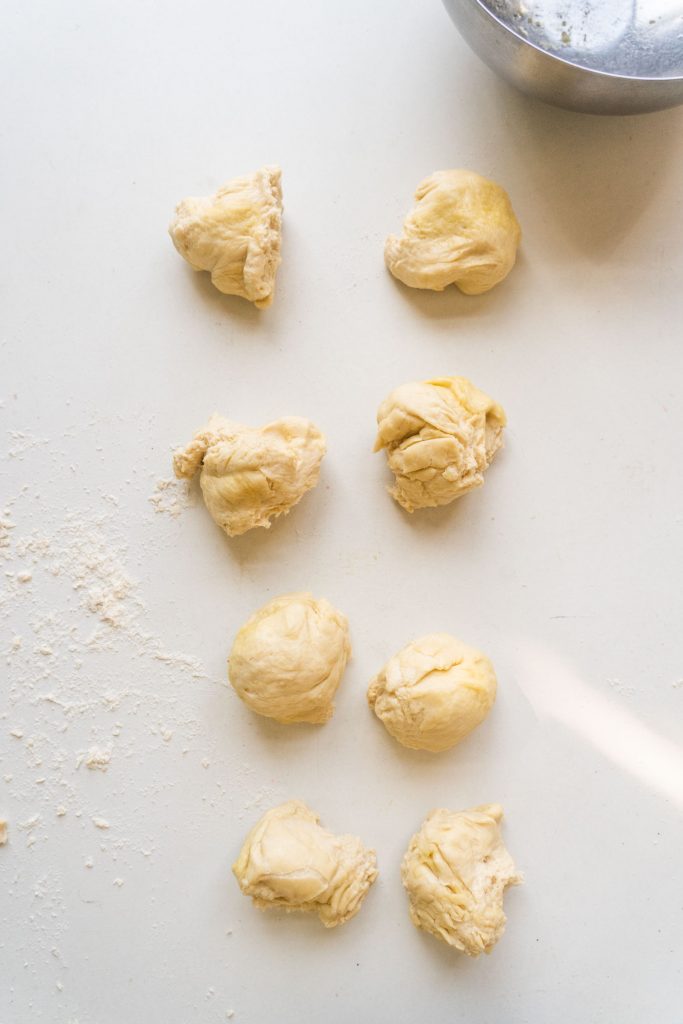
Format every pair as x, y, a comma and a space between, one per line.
97, 759
99, 704
172, 497
6, 526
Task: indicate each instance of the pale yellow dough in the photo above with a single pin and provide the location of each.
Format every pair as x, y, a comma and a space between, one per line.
235, 234
440, 436
249, 475
463, 231
288, 860
288, 659
433, 693
455, 871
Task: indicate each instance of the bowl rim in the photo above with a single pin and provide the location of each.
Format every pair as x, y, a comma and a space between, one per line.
483, 6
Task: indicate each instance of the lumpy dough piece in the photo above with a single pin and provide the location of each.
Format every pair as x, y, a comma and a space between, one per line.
235, 234
455, 871
288, 659
433, 693
463, 231
249, 475
440, 436
289, 861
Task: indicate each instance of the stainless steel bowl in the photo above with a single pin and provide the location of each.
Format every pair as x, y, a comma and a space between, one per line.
598, 56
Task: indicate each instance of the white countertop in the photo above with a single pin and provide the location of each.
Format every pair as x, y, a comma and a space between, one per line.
565, 568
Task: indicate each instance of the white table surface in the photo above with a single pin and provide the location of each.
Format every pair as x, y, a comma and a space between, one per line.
565, 567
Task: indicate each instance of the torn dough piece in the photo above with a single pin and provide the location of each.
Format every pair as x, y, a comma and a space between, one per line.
3, 831
440, 436
288, 659
463, 231
456, 870
235, 234
433, 693
288, 860
249, 475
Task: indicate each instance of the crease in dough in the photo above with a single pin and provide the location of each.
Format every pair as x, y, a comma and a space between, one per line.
462, 231
288, 860
235, 234
288, 659
440, 436
250, 475
455, 871
433, 693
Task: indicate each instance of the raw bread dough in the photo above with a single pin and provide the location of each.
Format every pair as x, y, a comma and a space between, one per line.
289, 861
440, 436
288, 659
463, 231
251, 474
433, 693
3, 831
235, 234
456, 870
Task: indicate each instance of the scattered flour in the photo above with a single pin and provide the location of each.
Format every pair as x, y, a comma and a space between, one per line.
624, 689
172, 497
30, 823
97, 759
88, 678
23, 442
262, 798
6, 526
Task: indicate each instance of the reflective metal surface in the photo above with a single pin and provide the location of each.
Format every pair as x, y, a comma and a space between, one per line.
600, 56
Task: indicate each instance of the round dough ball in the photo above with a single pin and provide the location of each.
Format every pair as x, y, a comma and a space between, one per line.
433, 693
440, 437
463, 231
455, 871
288, 659
250, 475
289, 861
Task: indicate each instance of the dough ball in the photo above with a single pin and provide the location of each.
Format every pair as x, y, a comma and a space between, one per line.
249, 475
455, 871
235, 235
289, 861
288, 659
463, 231
440, 436
433, 693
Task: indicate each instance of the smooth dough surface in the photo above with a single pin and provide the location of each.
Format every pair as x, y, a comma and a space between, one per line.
455, 871
235, 234
289, 657
462, 231
433, 693
440, 437
249, 475
288, 860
